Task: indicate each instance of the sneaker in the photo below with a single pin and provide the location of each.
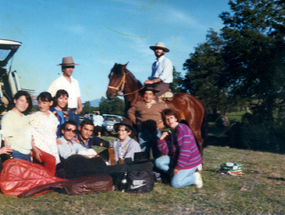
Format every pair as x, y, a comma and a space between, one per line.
198, 180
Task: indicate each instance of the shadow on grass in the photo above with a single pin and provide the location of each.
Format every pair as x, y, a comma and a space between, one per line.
278, 178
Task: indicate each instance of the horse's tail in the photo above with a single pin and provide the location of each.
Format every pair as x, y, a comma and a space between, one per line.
204, 128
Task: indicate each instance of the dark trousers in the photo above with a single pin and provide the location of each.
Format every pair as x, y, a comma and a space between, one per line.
161, 87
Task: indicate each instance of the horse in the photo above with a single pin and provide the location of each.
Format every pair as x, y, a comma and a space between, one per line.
187, 107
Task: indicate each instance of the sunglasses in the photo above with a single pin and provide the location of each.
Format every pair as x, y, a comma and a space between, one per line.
69, 129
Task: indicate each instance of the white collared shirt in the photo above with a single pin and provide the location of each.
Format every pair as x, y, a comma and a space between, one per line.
72, 89
163, 69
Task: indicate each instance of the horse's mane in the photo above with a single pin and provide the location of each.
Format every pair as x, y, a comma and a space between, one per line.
117, 69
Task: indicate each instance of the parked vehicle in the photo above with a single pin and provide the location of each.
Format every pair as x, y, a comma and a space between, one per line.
109, 121
9, 80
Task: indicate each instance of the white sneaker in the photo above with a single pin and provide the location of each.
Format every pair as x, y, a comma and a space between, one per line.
198, 180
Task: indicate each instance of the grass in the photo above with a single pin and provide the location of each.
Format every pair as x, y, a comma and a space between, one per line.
260, 190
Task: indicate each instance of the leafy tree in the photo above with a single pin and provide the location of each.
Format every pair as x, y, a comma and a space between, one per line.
177, 85
254, 52
116, 106
88, 108
205, 67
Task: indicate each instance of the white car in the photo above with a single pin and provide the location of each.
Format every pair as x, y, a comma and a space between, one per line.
109, 121
9, 80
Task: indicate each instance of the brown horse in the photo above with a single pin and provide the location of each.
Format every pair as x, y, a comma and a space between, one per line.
187, 107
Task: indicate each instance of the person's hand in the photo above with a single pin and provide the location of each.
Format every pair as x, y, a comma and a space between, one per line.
148, 82
38, 155
6, 150
58, 141
160, 125
164, 135
175, 171
75, 140
79, 110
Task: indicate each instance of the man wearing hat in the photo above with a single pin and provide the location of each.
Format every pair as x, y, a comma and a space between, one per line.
162, 70
146, 115
68, 83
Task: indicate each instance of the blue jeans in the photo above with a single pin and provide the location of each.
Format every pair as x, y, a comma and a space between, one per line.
19, 155
147, 144
182, 178
74, 116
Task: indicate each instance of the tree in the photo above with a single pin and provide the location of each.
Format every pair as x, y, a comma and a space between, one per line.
177, 85
116, 106
254, 52
205, 67
87, 108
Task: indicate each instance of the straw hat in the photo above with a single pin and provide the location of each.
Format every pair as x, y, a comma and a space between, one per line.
159, 45
67, 61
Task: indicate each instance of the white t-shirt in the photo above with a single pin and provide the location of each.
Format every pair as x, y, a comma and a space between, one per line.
19, 131
72, 88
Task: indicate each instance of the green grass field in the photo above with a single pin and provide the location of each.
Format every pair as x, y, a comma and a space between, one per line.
260, 190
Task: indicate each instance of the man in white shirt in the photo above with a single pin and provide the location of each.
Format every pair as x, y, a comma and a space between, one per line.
98, 122
162, 70
68, 83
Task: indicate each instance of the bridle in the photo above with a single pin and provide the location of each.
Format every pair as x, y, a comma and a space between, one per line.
119, 89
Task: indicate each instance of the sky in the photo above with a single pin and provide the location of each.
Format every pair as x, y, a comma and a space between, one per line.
100, 33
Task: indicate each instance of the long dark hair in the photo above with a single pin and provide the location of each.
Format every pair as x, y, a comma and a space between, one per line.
57, 95
17, 96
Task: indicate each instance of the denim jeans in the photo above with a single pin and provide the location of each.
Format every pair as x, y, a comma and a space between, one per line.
147, 144
19, 155
74, 116
182, 178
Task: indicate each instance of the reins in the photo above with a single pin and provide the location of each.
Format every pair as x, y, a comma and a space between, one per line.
121, 87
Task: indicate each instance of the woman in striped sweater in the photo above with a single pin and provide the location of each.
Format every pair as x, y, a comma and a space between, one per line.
180, 153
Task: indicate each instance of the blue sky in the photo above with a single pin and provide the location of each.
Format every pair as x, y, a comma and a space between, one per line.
99, 33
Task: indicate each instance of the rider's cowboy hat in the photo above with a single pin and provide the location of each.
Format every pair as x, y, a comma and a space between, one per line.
159, 45
67, 61
125, 122
148, 87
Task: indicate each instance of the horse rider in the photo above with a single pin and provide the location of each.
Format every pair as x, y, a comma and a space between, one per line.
162, 70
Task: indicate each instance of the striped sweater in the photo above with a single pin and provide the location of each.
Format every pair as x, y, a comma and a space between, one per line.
185, 151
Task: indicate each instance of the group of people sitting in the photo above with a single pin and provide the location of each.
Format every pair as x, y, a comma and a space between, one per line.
48, 137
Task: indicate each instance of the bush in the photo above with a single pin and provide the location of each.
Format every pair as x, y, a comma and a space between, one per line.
257, 133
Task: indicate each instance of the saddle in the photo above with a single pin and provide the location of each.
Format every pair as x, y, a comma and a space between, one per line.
167, 96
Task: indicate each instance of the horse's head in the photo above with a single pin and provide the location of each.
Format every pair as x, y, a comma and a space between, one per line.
117, 79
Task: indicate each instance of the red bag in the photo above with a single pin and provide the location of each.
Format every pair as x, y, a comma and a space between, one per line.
18, 176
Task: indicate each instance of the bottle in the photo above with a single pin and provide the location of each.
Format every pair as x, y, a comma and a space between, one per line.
7, 143
111, 154
121, 155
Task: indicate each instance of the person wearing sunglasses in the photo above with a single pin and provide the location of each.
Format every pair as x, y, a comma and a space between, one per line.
69, 146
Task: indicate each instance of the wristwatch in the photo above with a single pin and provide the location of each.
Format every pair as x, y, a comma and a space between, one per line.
153, 80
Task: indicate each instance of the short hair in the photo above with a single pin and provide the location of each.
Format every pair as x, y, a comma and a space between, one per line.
168, 112
70, 122
128, 129
57, 95
29, 100
86, 122
45, 96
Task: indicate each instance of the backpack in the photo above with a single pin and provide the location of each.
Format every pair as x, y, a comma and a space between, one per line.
136, 181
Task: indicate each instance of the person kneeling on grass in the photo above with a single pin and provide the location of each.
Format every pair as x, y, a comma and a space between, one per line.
180, 153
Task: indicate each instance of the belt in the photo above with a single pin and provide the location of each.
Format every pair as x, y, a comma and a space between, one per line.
72, 108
